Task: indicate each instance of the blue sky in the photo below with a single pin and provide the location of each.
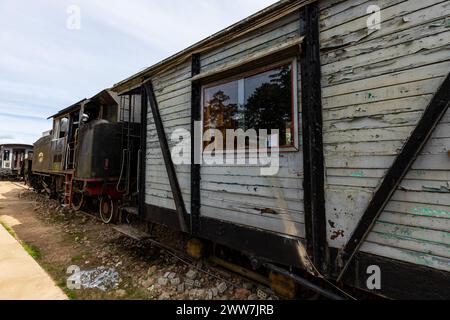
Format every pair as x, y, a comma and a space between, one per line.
45, 66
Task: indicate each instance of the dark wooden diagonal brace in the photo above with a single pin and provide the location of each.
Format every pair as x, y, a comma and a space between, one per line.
173, 179
413, 147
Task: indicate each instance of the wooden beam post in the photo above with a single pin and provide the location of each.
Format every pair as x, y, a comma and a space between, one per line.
314, 197
196, 92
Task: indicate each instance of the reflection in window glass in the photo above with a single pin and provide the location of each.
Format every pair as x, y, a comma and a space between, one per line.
221, 107
64, 127
6, 155
268, 103
261, 101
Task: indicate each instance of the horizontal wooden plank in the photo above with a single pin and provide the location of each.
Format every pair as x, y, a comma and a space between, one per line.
397, 106
174, 104
374, 122
426, 247
163, 97
273, 225
356, 29
430, 223
270, 181
435, 175
330, 7
392, 39
160, 199
436, 162
391, 79
357, 10
280, 205
282, 27
176, 72
405, 185
269, 49
398, 52
272, 192
154, 187
370, 70
160, 202
409, 232
353, 182
434, 146
285, 171
268, 29
432, 198
417, 208
272, 212
407, 256
418, 88
367, 135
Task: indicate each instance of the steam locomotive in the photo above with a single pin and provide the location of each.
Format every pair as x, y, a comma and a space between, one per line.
89, 155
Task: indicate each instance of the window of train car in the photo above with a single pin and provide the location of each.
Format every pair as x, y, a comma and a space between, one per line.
109, 113
60, 128
130, 108
6, 155
262, 99
64, 127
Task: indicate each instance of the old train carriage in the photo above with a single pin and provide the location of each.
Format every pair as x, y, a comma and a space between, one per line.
89, 154
357, 92
12, 157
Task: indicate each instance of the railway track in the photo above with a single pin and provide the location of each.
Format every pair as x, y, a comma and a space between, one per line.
219, 268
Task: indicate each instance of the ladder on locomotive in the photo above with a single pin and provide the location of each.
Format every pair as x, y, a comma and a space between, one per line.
68, 188
72, 141
127, 118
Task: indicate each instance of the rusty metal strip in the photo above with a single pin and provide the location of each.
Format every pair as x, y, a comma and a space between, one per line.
413, 147
173, 179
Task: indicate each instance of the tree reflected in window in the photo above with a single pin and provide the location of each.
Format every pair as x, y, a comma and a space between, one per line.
268, 103
260, 101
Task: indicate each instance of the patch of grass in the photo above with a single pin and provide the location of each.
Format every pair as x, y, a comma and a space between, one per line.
69, 293
77, 258
9, 230
33, 251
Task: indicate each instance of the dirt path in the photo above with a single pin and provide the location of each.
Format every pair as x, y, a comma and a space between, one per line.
133, 270
21, 277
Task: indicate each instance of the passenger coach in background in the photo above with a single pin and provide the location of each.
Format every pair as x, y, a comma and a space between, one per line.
12, 158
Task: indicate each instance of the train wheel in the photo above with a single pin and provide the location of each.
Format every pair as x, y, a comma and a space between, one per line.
108, 210
78, 201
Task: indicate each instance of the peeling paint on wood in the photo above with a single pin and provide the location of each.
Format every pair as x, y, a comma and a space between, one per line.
375, 89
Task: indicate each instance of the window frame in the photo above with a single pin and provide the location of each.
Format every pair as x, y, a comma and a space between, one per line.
6, 152
295, 105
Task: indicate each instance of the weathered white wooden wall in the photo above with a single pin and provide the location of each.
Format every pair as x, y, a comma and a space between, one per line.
173, 93
239, 193
232, 193
376, 86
